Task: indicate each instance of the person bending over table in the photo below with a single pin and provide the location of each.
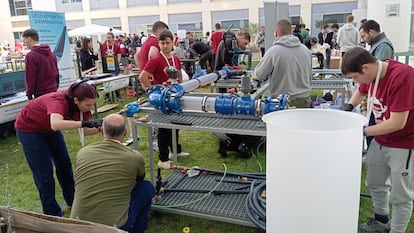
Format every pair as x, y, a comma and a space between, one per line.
38, 127
390, 87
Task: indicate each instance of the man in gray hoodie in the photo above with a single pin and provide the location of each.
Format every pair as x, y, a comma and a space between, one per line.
288, 66
348, 35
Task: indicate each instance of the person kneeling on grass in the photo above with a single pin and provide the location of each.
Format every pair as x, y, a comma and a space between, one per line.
109, 181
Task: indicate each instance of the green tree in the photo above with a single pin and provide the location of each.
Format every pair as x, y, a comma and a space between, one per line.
320, 23
253, 30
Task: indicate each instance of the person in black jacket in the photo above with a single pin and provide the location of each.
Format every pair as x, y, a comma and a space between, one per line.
204, 51
325, 37
296, 32
309, 43
87, 55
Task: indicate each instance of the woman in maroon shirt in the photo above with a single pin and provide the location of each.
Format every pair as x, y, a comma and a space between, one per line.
38, 128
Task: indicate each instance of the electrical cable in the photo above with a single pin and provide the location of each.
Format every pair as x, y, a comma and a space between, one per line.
257, 152
202, 197
257, 160
255, 205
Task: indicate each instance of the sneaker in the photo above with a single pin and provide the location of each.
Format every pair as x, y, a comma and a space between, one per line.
107, 100
372, 225
166, 165
155, 146
181, 154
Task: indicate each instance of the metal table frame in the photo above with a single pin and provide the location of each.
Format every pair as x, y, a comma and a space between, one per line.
209, 122
338, 82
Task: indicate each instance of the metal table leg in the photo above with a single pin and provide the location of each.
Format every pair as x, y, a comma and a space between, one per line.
134, 131
151, 155
174, 144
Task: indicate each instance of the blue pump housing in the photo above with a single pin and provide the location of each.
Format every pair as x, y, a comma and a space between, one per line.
132, 108
167, 99
272, 105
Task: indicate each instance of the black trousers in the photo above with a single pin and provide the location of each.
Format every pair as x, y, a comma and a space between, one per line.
165, 143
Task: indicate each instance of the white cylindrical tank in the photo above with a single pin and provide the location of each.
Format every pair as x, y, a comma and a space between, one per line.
313, 168
394, 18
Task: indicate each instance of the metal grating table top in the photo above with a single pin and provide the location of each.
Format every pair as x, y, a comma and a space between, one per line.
219, 124
330, 83
220, 207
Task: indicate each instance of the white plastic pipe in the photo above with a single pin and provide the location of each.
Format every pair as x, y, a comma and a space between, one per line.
197, 82
313, 164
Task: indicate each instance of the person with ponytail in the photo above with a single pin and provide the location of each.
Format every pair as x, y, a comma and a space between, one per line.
38, 127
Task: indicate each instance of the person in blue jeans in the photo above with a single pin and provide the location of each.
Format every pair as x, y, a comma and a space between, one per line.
38, 128
109, 181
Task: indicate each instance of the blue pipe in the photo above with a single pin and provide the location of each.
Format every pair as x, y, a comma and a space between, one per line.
167, 99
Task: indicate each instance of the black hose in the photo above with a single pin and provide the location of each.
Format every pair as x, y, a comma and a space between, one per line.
256, 206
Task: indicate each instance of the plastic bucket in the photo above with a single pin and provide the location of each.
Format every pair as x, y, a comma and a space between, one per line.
313, 166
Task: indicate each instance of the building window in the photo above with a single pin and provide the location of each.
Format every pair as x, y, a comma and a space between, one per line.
117, 27
335, 18
235, 24
145, 28
412, 30
182, 1
295, 20
18, 36
195, 28
70, 1
19, 7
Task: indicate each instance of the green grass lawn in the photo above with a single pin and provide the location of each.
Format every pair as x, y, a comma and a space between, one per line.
17, 188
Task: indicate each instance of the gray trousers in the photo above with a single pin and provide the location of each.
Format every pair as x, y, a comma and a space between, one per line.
390, 179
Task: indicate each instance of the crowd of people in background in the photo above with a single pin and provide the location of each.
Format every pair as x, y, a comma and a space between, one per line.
39, 124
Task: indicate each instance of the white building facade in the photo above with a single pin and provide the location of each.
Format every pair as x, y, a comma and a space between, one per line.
199, 16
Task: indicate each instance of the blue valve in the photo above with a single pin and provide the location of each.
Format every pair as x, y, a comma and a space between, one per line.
167, 99
224, 104
132, 108
245, 105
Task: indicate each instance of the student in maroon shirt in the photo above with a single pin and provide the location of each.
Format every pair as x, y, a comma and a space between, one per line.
389, 86
216, 38
157, 68
111, 48
151, 48
38, 128
41, 70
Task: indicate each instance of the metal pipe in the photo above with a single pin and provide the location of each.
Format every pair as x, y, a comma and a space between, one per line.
171, 99
195, 83
199, 103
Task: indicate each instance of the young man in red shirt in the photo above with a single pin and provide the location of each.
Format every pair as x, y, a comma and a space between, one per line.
390, 89
111, 48
215, 40
150, 48
157, 68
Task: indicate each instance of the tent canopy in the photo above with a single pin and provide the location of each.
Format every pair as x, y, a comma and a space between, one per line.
92, 29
